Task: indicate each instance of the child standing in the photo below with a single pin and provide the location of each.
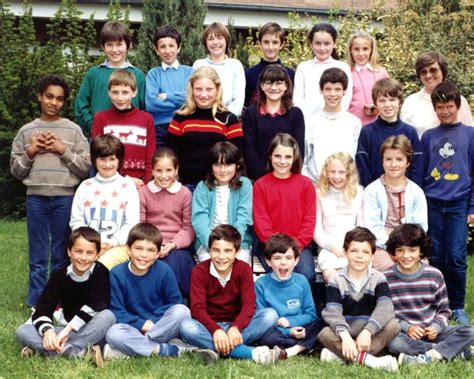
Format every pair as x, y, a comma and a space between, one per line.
339, 209
51, 156
448, 180
359, 310
216, 40
322, 41
201, 122
331, 129
224, 197
363, 60
273, 113
223, 304
132, 126
271, 38
426, 336
82, 290
115, 40
166, 84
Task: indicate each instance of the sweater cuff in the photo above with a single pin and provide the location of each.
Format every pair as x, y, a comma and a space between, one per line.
68, 157
439, 328
76, 323
372, 327
404, 326
25, 161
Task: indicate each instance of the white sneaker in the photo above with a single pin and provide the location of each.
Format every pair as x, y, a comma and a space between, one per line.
328, 356
387, 363
110, 353
182, 346
264, 355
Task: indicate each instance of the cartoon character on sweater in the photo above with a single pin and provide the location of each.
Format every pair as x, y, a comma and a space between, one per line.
447, 161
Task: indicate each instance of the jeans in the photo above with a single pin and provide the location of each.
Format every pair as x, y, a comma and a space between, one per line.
48, 229
161, 133
448, 229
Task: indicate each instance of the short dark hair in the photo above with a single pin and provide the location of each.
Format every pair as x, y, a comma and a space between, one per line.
280, 243
409, 235
115, 31
333, 75
427, 59
166, 31
273, 73
53, 80
272, 28
145, 231
286, 140
445, 92
106, 145
387, 86
88, 234
359, 234
227, 153
227, 233
324, 27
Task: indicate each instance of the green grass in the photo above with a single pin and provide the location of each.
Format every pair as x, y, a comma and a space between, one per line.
13, 285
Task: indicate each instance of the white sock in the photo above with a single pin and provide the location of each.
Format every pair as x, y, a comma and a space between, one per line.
294, 350
434, 355
386, 362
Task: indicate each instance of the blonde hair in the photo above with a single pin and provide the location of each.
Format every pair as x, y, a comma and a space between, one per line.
190, 106
124, 78
352, 186
374, 56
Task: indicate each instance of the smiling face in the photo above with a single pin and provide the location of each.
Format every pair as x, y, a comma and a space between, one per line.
121, 96
408, 258
283, 264
223, 255
224, 173
388, 107
116, 52
52, 101
275, 90
107, 166
447, 112
337, 174
431, 76
164, 172
216, 46
359, 257
204, 93
167, 49
82, 254
143, 254
333, 94
361, 50
395, 164
282, 160
271, 46
322, 45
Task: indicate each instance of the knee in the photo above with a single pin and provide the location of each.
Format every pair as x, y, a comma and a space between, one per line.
269, 317
393, 327
396, 345
181, 311
115, 334
325, 335
189, 328
106, 318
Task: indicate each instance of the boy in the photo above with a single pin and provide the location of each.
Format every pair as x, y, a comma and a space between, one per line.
108, 202
82, 290
331, 129
145, 299
289, 294
115, 40
223, 303
448, 180
271, 38
132, 126
387, 95
423, 313
51, 156
359, 311
166, 85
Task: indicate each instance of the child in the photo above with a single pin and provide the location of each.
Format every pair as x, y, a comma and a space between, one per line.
423, 313
330, 129
108, 202
387, 95
166, 84
363, 60
145, 300
322, 41
51, 156
201, 122
115, 40
339, 209
132, 126
448, 180
273, 113
271, 38
285, 202
224, 197
359, 310
223, 304
393, 199
216, 40
82, 290
289, 294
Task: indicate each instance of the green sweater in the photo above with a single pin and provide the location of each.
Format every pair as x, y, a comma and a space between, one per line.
93, 95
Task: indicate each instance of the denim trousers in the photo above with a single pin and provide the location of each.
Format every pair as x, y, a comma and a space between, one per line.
448, 229
161, 133
47, 219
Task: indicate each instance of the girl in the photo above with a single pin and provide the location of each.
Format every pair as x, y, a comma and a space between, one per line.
339, 209
274, 114
202, 121
322, 40
363, 59
216, 40
393, 199
285, 202
166, 203
224, 197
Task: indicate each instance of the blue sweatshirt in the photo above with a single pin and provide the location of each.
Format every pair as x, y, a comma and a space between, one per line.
449, 162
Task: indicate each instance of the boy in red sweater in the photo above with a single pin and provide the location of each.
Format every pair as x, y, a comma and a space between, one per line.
223, 304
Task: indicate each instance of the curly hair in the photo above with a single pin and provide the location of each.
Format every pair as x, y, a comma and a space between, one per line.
411, 235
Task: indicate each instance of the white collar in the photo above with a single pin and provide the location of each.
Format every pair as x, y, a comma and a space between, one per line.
173, 65
367, 66
100, 178
213, 62
345, 273
106, 63
80, 278
215, 274
175, 187
327, 61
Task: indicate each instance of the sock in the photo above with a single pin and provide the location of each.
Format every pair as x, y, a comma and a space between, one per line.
167, 350
294, 350
368, 360
241, 352
434, 355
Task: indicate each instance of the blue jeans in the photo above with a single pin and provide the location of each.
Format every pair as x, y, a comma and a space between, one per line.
448, 229
47, 219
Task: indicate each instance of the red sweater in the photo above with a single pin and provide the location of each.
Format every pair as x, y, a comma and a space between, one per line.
212, 303
136, 130
284, 206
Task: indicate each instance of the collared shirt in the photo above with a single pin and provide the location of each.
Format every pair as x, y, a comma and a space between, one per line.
173, 65
327, 61
215, 274
174, 188
79, 278
357, 285
106, 63
263, 111
367, 66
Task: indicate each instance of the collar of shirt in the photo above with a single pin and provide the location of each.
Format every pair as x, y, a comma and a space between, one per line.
367, 66
215, 274
263, 111
106, 63
79, 278
175, 187
210, 61
174, 65
327, 61
361, 284
391, 189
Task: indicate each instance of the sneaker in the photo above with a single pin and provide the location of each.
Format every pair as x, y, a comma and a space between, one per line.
182, 346
265, 356
95, 354
405, 359
388, 363
280, 353
27, 352
328, 356
460, 317
467, 353
207, 355
110, 353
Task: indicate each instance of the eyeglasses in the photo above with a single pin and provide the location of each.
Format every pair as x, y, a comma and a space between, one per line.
432, 71
278, 83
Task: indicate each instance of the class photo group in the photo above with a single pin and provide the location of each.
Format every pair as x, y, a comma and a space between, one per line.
147, 219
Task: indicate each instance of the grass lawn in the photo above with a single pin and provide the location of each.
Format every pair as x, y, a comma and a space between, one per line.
13, 284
